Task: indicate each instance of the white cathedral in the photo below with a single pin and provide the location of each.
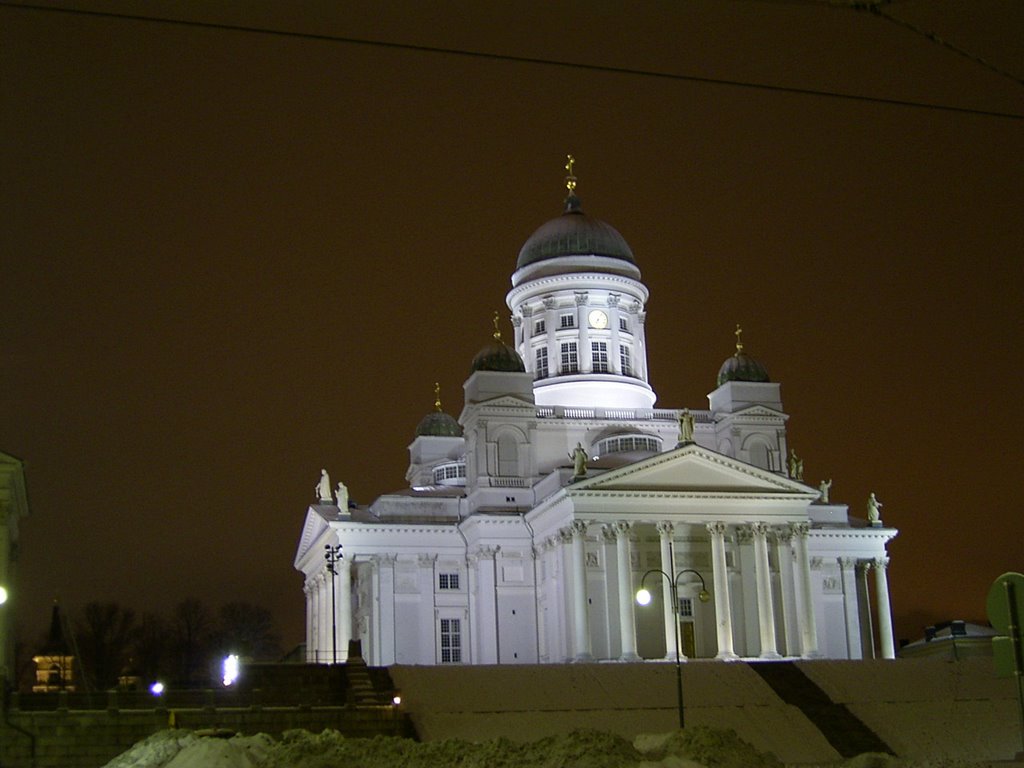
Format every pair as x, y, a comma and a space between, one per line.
531, 522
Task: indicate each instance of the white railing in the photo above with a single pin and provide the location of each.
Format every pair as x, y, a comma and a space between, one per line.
619, 414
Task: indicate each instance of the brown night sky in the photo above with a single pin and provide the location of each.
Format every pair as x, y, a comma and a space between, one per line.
231, 258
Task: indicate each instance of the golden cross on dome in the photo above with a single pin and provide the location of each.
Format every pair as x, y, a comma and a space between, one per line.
739, 343
497, 331
570, 180
437, 396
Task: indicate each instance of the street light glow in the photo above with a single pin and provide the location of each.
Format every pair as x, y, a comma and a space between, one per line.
230, 669
3, 595
643, 597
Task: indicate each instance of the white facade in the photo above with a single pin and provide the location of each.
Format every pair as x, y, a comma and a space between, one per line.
499, 551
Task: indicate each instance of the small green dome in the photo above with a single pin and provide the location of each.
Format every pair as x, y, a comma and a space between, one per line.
498, 356
742, 367
438, 424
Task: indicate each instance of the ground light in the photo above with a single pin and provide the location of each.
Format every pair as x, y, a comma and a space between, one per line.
156, 688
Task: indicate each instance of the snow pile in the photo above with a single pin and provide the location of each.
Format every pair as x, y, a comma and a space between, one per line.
691, 748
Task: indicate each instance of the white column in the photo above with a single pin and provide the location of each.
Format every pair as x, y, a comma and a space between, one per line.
586, 359
640, 363
885, 638
847, 572
627, 621
784, 555
524, 334
665, 531
614, 359
307, 590
867, 632
723, 607
324, 614
550, 324
808, 622
581, 628
765, 603
344, 606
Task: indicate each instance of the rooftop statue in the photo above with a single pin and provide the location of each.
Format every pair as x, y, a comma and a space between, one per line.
874, 510
579, 461
323, 488
686, 426
823, 488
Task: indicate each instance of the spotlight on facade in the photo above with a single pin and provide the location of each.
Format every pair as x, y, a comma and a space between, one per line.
230, 669
156, 688
643, 597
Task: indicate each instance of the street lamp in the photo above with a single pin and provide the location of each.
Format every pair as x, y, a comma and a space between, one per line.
332, 554
643, 597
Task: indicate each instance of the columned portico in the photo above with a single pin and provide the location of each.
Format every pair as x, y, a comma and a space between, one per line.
783, 538
723, 606
343, 599
765, 607
665, 533
806, 619
867, 631
885, 639
627, 621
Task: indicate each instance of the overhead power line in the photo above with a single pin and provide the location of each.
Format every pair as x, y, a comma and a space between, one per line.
461, 52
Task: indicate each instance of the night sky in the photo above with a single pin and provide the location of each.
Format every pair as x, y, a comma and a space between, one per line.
229, 258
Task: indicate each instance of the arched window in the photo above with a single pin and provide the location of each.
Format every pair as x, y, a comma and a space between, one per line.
624, 443
508, 455
453, 473
758, 453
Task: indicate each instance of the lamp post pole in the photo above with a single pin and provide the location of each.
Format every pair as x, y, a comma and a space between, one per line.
643, 597
332, 554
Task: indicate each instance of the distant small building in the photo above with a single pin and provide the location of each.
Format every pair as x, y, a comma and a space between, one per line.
55, 663
953, 640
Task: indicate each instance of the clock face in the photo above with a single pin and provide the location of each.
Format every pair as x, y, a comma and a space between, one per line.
598, 319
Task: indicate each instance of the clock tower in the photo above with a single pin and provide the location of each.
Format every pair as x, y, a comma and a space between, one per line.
578, 308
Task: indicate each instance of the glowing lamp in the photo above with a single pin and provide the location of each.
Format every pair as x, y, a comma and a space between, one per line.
643, 597
230, 669
156, 688
396, 700
3, 595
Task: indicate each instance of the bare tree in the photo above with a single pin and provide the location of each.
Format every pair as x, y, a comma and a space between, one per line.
103, 633
249, 631
192, 630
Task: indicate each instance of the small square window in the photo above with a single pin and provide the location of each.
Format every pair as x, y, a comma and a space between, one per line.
623, 324
539, 327
567, 321
448, 581
686, 607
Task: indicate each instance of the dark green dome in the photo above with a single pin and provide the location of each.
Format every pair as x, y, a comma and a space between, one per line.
498, 356
438, 424
574, 234
742, 367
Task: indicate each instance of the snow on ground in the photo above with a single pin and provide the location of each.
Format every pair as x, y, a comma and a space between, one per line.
698, 747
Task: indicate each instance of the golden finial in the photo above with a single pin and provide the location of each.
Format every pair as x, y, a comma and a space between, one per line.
739, 343
437, 397
497, 331
570, 180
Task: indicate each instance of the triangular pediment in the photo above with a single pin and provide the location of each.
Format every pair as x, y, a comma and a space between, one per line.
312, 529
693, 469
504, 401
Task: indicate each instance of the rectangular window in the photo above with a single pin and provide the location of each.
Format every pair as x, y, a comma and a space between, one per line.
686, 607
599, 355
451, 641
448, 581
623, 325
570, 358
625, 362
542, 363
567, 321
539, 327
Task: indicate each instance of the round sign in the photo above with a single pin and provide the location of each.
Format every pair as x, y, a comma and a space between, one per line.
998, 606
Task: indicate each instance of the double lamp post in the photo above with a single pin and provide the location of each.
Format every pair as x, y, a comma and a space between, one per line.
643, 597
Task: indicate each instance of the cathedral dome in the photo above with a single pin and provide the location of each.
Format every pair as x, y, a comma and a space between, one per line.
741, 366
574, 234
438, 423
